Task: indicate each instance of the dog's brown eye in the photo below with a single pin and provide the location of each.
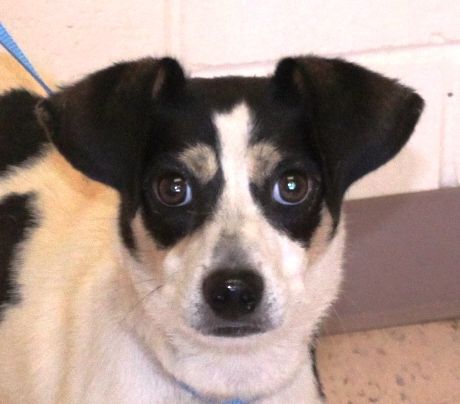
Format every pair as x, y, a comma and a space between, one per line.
173, 190
292, 188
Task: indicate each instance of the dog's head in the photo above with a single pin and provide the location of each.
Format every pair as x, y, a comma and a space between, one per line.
231, 190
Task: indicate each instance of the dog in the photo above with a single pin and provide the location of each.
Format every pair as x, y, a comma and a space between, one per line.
166, 239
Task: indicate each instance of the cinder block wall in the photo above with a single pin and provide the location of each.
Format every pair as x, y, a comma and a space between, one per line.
415, 41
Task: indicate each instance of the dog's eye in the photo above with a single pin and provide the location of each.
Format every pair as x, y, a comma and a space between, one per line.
173, 190
292, 188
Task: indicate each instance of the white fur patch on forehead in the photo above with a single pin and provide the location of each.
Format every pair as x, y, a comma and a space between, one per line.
234, 130
201, 161
263, 158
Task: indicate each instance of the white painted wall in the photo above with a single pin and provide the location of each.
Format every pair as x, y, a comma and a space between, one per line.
416, 41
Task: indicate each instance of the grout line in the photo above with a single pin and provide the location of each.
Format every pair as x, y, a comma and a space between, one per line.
447, 173
174, 21
167, 27
450, 147
397, 48
256, 65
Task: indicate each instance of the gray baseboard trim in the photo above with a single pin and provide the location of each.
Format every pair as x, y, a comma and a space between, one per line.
402, 261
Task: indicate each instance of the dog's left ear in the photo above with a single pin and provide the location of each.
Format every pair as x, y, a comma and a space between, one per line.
359, 119
101, 124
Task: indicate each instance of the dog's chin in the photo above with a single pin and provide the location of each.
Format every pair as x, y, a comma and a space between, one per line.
218, 367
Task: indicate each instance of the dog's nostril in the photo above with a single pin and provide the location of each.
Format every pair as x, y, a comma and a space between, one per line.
232, 294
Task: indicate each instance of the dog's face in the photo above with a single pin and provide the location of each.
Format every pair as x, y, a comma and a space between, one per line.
230, 201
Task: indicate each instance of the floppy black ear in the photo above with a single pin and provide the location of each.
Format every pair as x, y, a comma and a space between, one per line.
100, 124
360, 119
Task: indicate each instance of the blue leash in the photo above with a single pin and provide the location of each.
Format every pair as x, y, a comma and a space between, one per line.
7, 41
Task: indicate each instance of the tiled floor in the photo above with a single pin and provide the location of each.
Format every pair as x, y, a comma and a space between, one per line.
417, 364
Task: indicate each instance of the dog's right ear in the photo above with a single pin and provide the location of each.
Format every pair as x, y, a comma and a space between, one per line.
101, 123
358, 119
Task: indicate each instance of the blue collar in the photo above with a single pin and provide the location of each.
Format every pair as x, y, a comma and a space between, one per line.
195, 394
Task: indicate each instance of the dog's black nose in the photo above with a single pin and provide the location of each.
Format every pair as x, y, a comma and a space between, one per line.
231, 294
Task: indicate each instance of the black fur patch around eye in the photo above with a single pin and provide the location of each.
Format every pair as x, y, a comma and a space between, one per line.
298, 221
168, 225
21, 136
286, 128
173, 131
17, 218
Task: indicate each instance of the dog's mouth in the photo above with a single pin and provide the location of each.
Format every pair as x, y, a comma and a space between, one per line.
236, 331
253, 324
233, 329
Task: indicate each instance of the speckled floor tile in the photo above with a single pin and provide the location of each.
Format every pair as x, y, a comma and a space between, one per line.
417, 364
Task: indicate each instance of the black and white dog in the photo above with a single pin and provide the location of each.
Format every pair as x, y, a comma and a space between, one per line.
175, 240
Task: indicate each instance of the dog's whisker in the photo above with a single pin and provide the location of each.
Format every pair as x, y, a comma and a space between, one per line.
339, 320
149, 293
139, 301
144, 281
